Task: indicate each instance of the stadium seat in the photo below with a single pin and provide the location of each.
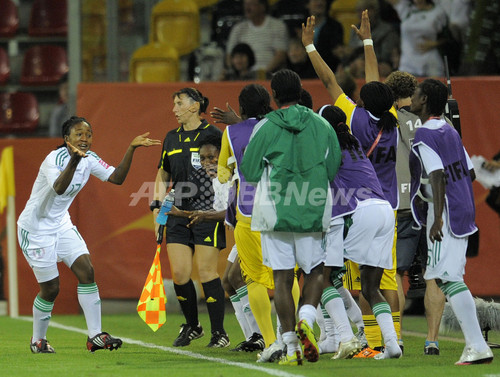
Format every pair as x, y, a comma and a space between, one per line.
48, 18
177, 23
44, 65
225, 14
154, 62
344, 11
205, 3
292, 12
4, 66
18, 112
9, 19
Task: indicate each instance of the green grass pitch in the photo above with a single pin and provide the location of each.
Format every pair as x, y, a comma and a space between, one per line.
145, 353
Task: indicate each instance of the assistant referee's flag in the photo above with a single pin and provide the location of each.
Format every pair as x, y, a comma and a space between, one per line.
151, 306
7, 186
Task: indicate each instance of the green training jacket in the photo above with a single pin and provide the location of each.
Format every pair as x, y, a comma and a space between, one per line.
292, 156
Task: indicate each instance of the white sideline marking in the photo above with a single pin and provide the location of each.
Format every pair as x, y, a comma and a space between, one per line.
272, 372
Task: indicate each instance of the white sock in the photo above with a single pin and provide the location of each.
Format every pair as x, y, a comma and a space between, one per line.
320, 320
279, 332
247, 311
42, 311
382, 313
351, 307
240, 316
308, 312
292, 342
334, 305
463, 306
88, 297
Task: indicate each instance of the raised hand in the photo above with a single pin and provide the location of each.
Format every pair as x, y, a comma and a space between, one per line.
225, 117
75, 152
364, 31
144, 141
308, 31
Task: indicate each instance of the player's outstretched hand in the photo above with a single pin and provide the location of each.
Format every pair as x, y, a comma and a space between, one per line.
364, 31
225, 117
75, 152
144, 141
308, 31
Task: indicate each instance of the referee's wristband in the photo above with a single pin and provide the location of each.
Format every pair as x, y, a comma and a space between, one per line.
310, 48
155, 204
367, 42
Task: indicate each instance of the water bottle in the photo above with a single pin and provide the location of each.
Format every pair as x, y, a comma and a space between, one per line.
167, 204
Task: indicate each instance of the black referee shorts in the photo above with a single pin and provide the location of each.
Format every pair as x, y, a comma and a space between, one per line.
206, 234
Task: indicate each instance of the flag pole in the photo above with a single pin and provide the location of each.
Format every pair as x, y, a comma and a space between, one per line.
12, 258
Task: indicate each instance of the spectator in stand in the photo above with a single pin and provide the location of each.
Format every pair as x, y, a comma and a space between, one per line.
298, 61
482, 50
385, 37
60, 112
328, 34
421, 24
242, 59
266, 35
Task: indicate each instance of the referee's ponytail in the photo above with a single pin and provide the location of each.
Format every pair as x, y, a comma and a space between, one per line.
196, 96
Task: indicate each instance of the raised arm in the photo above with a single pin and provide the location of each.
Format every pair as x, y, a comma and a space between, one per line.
322, 69
120, 173
365, 35
62, 182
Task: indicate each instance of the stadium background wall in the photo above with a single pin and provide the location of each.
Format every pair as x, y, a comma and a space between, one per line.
120, 234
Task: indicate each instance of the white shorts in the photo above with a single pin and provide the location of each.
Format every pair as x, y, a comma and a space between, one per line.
284, 250
446, 259
334, 243
371, 235
233, 254
43, 252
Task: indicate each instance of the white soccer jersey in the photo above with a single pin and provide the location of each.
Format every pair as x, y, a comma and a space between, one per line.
46, 211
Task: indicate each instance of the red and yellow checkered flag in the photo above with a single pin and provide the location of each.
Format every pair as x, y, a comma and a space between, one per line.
151, 306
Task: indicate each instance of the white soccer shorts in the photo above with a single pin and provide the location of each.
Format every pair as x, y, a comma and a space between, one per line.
43, 252
283, 250
371, 235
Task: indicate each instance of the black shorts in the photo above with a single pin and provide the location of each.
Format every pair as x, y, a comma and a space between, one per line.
410, 242
206, 234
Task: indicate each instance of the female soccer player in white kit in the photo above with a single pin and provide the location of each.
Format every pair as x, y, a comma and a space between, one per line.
47, 235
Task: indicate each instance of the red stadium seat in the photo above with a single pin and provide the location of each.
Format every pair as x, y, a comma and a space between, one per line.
9, 18
18, 112
4, 66
44, 65
48, 18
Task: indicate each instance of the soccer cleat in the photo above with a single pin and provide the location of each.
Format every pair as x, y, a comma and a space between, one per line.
348, 349
401, 346
41, 346
253, 343
103, 341
219, 340
362, 337
431, 349
295, 359
307, 341
366, 353
270, 354
393, 352
471, 356
187, 334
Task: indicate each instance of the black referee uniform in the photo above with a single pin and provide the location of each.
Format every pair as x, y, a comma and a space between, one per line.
193, 187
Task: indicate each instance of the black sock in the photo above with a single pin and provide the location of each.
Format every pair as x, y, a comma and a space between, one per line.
186, 294
214, 297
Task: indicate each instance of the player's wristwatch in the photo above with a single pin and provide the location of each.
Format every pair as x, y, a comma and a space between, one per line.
155, 204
